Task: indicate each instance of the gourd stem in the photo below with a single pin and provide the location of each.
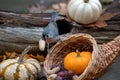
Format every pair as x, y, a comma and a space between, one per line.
86, 1
20, 60
78, 53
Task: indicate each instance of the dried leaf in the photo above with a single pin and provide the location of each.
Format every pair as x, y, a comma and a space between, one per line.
37, 8
61, 7
11, 54
8, 55
106, 16
99, 24
4, 57
28, 56
1, 58
101, 21
40, 58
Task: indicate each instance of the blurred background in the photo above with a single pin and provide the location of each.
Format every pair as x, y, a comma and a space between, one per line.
24, 5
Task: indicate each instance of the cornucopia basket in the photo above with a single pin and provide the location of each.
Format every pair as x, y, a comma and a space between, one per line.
102, 55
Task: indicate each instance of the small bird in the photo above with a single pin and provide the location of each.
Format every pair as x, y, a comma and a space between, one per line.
51, 30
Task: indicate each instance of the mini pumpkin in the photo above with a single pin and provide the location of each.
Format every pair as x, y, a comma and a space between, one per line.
20, 68
84, 11
77, 61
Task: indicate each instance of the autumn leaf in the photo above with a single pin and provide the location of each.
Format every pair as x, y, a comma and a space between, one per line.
11, 54
106, 16
61, 7
8, 55
37, 8
40, 58
1, 58
101, 22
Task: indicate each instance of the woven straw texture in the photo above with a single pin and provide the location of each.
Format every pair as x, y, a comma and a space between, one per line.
102, 55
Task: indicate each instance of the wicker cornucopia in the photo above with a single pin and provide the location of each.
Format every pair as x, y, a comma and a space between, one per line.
102, 55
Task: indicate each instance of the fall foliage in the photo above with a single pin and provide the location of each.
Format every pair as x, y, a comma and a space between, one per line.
9, 55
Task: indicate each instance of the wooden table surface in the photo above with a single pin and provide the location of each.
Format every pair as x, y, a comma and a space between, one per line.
113, 72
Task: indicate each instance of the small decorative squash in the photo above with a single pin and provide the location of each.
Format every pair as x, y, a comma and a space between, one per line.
84, 11
77, 61
20, 68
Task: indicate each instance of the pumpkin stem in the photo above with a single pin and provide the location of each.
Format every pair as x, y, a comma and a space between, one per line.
20, 60
78, 53
86, 1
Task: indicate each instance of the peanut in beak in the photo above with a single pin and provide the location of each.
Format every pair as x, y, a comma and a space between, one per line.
41, 44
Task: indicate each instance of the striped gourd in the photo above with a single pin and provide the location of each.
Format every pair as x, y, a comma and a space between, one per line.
20, 68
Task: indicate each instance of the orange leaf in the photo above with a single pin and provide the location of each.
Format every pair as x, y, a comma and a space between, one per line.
40, 58
8, 54
28, 56
1, 58
11, 54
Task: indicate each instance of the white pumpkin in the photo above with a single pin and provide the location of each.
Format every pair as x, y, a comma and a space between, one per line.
84, 11
20, 68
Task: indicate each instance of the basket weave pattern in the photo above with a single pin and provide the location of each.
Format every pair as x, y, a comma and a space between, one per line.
102, 55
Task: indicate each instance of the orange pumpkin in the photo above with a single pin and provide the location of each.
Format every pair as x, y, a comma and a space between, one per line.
77, 61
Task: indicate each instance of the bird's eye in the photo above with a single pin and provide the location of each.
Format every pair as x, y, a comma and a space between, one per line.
43, 36
46, 36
